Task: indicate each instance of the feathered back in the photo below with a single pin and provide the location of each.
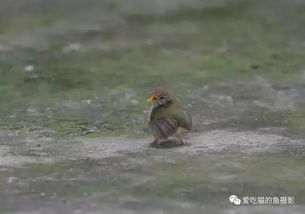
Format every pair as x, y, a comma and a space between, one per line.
164, 120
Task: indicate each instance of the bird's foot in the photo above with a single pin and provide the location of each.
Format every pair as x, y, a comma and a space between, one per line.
155, 142
182, 142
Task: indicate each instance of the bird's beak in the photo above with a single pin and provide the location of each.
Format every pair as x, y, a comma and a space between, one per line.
152, 99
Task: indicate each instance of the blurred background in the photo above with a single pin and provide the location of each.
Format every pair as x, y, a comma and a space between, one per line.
74, 76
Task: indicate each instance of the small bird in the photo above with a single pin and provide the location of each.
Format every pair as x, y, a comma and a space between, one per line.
167, 116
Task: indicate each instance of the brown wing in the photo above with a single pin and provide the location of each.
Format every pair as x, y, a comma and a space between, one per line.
185, 120
161, 128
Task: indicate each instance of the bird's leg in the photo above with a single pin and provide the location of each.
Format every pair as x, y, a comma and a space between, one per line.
181, 141
156, 141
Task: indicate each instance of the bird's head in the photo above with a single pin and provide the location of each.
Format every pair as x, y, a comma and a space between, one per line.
160, 96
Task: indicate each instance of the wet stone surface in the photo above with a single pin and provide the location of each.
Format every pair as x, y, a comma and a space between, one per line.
73, 117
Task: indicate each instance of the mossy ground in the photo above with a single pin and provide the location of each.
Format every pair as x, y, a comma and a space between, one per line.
183, 51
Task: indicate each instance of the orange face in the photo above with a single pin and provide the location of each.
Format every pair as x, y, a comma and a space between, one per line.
160, 96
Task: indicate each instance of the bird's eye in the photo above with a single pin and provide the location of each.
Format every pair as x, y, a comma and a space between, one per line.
161, 98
